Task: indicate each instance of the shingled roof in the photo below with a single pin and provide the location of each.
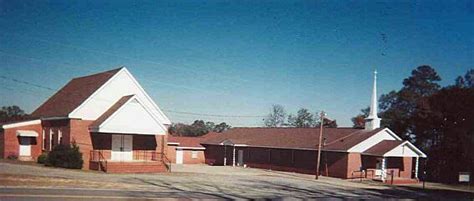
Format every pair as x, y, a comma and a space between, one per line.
191, 141
382, 147
337, 139
73, 94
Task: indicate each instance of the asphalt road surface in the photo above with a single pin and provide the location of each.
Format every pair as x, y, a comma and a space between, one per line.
32, 182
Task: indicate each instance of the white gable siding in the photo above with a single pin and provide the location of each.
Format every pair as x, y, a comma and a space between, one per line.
371, 141
132, 118
403, 150
122, 84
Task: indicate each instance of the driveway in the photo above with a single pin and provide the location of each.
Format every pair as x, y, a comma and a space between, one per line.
196, 182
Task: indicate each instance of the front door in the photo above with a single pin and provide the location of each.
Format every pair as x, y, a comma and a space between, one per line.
25, 146
240, 159
122, 148
179, 156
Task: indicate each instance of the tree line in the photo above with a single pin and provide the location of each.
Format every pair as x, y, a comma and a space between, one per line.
439, 120
197, 128
303, 118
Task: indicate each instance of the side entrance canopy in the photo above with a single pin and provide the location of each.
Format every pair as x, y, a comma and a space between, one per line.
26, 133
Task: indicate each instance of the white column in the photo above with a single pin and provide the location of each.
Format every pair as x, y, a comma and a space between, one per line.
233, 156
384, 167
416, 166
225, 155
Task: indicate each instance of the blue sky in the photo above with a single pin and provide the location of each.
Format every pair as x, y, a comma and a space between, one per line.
235, 57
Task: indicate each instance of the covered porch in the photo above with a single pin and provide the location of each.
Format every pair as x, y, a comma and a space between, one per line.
128, 138
392, 162
127, 153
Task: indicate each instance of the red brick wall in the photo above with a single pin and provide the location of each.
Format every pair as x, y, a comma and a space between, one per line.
11, 143
354, 163
79, 133
407, 167
171, 153
55, 126
302, 161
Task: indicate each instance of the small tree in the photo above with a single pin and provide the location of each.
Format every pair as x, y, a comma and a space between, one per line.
277, 117
66, 156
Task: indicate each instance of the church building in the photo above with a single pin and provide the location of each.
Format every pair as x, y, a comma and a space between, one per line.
109, 116
372, 152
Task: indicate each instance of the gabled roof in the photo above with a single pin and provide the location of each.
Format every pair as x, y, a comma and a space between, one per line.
128, 115
73, 94
190, 141
337, 139
110, 111
382, 147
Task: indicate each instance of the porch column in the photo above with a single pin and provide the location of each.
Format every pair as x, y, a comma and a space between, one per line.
233, 156
225, 155
416, 167
384, 169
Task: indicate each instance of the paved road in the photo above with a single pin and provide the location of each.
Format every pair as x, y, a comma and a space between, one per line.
20, 182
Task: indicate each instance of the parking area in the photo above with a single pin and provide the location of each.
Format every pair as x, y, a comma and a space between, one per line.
201, 181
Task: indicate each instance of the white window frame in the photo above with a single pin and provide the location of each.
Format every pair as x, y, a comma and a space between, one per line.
60, 136
51, 139
194, 154
43, 140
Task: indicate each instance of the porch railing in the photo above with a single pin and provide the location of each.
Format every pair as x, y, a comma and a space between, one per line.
97, 156
138, 155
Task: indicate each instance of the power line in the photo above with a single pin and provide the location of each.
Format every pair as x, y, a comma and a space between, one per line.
214, 115
171, 111
188, 69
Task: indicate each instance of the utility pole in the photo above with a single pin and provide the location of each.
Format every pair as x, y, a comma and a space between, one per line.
319, 144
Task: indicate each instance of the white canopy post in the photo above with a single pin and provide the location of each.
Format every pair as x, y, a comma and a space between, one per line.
384, 169
416, 167
225, 155
233, 156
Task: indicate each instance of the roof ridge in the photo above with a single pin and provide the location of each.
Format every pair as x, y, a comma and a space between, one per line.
99, 73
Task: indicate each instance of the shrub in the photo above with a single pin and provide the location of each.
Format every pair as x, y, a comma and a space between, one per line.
12, 156
66, 156
42, 159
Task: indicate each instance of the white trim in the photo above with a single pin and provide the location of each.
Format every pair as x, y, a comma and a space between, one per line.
372, 141
124, 69
54, 118
26, 133
173, 143
147, 96
134, 97
24, 123
196, 148
413, 147
93, 94
121, 132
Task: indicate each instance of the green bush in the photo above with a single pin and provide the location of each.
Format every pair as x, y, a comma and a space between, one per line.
42, 159
65, 156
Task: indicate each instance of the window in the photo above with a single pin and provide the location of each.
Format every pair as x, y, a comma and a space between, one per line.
51, 139
60, 136
194, 154
43, 147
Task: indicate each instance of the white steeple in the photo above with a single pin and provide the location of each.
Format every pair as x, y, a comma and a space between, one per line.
373, 121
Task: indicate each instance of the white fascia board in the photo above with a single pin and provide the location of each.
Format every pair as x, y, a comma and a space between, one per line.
195, 148
109, 131
372, 140
134, 97
411, 146
72, 114
392, 133
167, 120
173, 143
23, 123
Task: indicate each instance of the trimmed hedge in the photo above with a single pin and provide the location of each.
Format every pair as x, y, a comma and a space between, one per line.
66, 156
